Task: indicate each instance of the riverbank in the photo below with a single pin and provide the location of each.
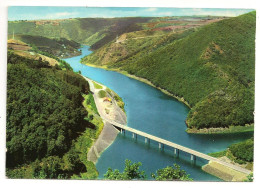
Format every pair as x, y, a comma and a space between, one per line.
108, 109
223, 172
227, 130
181, 99
221, 130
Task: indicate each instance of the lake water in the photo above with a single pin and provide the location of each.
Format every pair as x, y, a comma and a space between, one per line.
153, 112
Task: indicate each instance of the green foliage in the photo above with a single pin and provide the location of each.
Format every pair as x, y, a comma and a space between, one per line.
131, 172
171, 173
102, 94
118, 99
218, 154
91, 103
211, 67
91, 31
44, 118
97, 86
243, 151
62, 64
48, 168
51, 167
250, 178
55, 46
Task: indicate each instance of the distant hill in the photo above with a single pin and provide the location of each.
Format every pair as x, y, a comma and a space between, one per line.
91, 31
97, 32
59, 47
211, 67
22, 49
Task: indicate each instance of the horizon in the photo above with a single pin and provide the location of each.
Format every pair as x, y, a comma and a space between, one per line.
31, 13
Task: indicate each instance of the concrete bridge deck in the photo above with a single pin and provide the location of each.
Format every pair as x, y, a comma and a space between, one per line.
193, 153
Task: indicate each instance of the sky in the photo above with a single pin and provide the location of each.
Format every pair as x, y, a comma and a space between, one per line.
44, 12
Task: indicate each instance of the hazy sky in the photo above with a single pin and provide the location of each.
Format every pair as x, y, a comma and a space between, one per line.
37, 12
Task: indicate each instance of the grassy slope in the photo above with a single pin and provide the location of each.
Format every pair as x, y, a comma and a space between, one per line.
207, 68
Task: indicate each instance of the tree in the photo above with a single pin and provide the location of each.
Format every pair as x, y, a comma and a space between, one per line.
250, 178
131, 172
171, 173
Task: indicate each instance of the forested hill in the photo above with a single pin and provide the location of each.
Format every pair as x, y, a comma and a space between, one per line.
211, 67
45, 119
92, 31
96, 32
59, 47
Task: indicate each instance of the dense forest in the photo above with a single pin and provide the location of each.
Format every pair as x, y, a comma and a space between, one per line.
58, 47
211, 67
45, 119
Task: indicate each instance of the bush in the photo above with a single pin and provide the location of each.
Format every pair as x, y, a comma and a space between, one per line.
102, 94
243, 151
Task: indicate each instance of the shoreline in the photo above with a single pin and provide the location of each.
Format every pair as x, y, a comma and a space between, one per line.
144, 80
109, 132
205, 131
220, 130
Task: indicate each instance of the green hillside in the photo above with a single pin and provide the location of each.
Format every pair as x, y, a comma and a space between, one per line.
59, 47
96, 32
90, 31
47, 124
211, 67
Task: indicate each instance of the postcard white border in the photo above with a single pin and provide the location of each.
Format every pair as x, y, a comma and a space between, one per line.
250, 4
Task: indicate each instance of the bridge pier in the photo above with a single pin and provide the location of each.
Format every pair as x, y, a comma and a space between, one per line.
134, 135
176, 152
147, 140
161, 146
193, 158
122, 131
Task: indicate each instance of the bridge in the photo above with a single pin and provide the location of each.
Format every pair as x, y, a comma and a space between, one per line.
162, 142
176, 147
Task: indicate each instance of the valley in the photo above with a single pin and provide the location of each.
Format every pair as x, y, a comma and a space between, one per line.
201, 69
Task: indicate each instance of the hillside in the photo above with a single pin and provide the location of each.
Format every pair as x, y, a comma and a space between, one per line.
91, 31
47, 124
59, 47
97, 32
211, 67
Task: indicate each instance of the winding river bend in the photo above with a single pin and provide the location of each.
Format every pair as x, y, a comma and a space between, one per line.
153, 112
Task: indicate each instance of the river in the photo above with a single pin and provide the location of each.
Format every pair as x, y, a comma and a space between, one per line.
153, 112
